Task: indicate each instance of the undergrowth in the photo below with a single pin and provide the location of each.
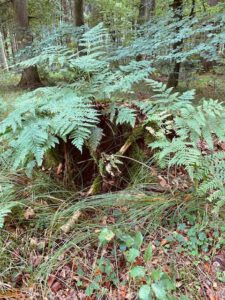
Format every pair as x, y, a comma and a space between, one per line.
99, 190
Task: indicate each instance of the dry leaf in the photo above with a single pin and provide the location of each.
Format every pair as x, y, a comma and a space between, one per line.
163, 242
59, 169
187, 197
33, 242
69, 225
163, 182
207, 268
123, 293
29, 213
51, 280
36, 260
211, 295
56, 287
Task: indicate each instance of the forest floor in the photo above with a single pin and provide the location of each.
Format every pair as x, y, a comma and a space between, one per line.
59, 244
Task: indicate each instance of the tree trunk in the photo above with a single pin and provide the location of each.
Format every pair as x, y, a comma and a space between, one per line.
79, 20
30, 76
13, 46
5, 40
213, 2
146, 10
173, 79
65, 10
3, 58
78, 13
70, 8
192, 13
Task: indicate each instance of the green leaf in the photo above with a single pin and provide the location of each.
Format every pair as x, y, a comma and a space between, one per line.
156, 274
145, 292
127, 239
184, 297
91, 288
168, 284
138, 240
148, 253
159, 290
105, 236
137, 272
132, 254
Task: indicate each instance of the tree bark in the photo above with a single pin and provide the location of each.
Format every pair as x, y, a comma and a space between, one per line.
173, 79
65, 10
79, 20
30, 77
5, 40
78, 13
146, 10
13, 45
213, 2
192, 13
3, 58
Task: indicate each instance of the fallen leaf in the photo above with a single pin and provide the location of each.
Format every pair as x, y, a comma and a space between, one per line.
29, 213
163, 242
69, 225
163, 182
56, 287
211, 295
36, 260
33, 242
207, 268
59, 169
123, 293
50, 280
187, 197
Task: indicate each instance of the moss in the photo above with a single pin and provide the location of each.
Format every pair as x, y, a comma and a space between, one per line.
52, 159
96, 186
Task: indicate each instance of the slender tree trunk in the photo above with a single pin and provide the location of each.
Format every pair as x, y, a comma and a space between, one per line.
79, 20
30, 76
146, 10
192, 13
13, 46
65, 10
70, 8
3, 58
173, 79
6, 45
206, 64
78, 13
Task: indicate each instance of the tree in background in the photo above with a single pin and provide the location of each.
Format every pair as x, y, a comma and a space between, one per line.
30, 76
78, 13
3, 58
173, 79
79, 18
213, 2
146, 10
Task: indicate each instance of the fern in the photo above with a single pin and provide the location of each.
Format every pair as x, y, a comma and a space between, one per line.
7, 201
174, 114
126, 115
107, 74
42, 118
5, 211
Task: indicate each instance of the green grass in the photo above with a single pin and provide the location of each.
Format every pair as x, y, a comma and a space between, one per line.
22, 242
9, 90
206, 85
